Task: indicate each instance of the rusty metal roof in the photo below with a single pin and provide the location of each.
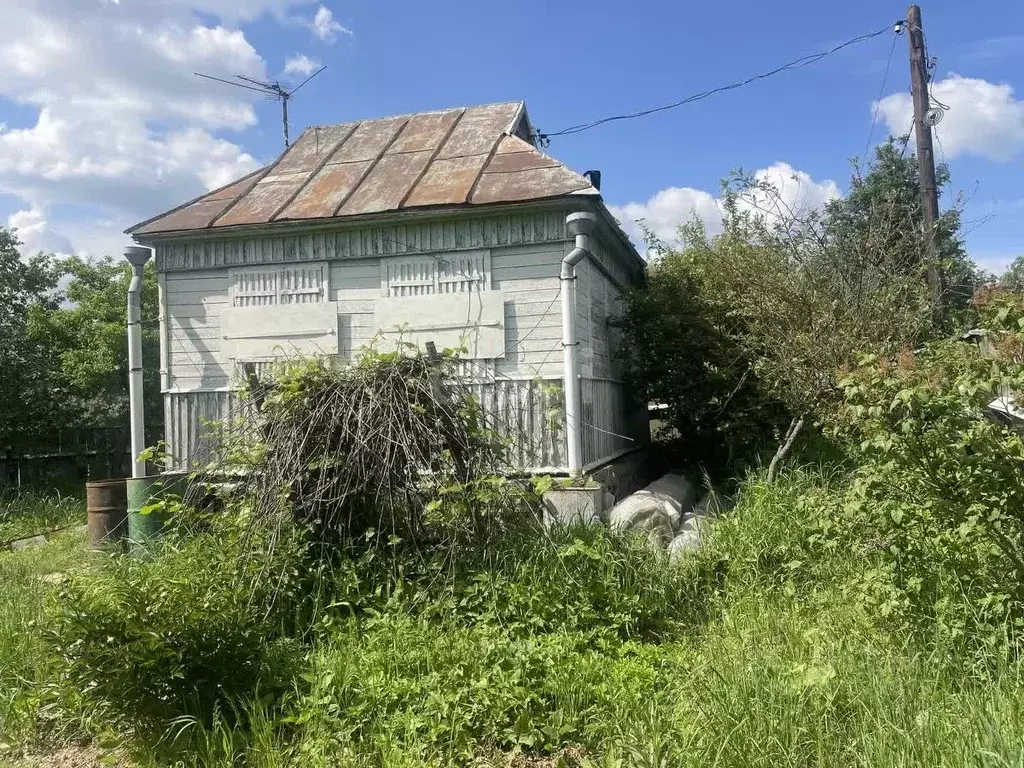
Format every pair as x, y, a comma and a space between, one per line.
454, 157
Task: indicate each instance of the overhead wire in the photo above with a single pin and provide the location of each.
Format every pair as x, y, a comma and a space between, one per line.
878, 101
799, 63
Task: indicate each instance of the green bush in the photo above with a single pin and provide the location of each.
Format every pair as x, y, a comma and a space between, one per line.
183, 634
677, 349
938, 496
579, 579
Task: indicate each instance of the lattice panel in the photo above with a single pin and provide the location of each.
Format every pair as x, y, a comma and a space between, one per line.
254, 288
427, 275
264, 287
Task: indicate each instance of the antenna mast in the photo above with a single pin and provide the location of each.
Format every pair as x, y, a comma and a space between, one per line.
273, 90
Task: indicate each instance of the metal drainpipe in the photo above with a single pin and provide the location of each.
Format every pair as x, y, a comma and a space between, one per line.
137, 256
581, 225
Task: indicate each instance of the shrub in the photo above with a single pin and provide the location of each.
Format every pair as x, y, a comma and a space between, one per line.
938, 497
529, 581
676, 350
184, 634
344, 449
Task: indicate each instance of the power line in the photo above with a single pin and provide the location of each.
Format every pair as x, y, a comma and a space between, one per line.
799, 63
881, 91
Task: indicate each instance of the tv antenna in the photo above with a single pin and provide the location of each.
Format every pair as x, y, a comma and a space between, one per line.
272, 89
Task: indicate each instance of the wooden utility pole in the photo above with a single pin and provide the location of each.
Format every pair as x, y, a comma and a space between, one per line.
925, 154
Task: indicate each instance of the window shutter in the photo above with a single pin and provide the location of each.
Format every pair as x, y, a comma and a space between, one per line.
462, 273
271, 286
428, 275
302, 285
253, 288
411, 277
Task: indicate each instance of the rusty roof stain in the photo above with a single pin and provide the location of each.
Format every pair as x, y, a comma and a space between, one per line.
454, 157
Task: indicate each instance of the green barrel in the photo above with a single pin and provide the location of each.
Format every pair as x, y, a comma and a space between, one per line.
145, 491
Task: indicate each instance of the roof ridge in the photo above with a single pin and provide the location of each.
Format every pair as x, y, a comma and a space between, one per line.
463, 108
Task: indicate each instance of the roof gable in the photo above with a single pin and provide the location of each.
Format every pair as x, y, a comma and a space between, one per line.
455, 157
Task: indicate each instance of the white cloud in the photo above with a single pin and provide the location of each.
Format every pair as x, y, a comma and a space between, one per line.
36, 234
122, 125
300, 64
325, 26
667, 209
984, 118
796, 192
995, 262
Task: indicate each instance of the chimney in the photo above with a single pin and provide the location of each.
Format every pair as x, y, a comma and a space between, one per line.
594, 177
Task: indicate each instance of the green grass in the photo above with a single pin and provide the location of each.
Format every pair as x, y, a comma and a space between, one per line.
28, 513
580, 646
29, 667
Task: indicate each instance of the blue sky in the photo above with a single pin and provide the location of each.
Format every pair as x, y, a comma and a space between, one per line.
104, 123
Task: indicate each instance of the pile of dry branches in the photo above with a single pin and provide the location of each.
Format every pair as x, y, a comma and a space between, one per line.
343, 450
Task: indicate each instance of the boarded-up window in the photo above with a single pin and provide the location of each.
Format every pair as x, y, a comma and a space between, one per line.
270, 286
427, 275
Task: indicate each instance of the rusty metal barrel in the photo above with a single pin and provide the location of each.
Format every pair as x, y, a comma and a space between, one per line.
106, 507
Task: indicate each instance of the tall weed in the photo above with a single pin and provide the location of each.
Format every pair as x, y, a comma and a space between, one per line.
181, 635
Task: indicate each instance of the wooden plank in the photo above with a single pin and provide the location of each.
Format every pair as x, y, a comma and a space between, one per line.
197, 334
197, 284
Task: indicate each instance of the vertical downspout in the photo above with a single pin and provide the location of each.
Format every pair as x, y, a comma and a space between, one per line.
581, 225
137, 256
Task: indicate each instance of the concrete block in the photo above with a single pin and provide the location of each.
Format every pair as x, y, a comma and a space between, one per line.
571, 505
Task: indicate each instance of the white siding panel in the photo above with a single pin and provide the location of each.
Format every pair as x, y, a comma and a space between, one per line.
528, 277
354, 275
355, 285
196, 284
194, 303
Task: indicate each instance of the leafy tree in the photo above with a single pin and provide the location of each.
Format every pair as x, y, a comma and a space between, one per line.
63, 346
30, 400
1013, 277
789, 298
796, 303
881, 217
677, 352
86, 335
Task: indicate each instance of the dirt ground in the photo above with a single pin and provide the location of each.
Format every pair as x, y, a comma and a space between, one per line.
68, 757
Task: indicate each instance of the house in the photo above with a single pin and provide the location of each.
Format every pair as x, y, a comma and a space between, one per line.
447, 226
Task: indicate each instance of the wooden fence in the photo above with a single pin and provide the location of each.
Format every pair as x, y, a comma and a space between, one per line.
69, 457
